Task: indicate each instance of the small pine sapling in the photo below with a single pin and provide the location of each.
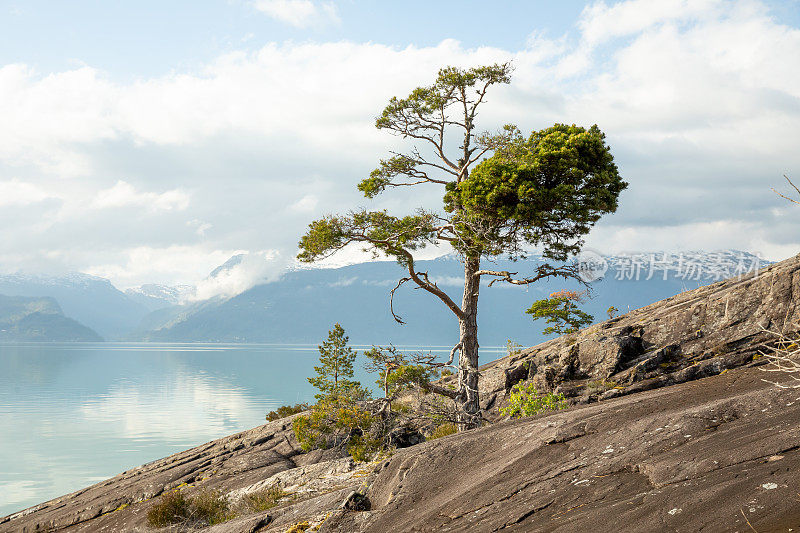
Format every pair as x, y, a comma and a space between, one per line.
562, 312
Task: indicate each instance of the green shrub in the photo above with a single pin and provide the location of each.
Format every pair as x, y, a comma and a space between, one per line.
210, 507
286, 410
446, 372
264, 499
172, 508
362, 448
331, 421
525, 400
207, 507
443, 430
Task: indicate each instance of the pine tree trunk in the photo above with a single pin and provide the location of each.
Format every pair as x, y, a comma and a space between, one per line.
468, 362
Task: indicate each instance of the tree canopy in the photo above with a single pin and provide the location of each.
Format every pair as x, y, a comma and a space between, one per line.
545, 191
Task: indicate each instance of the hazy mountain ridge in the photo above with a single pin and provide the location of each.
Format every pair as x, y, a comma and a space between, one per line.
90, 300
25, 319
304, 303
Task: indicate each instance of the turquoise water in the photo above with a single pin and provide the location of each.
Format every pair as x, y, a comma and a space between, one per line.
75, 414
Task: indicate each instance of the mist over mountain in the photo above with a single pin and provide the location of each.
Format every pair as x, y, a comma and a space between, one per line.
250, 302
155, 296
303, 304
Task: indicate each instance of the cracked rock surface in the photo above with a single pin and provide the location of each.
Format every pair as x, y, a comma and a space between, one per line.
690, 457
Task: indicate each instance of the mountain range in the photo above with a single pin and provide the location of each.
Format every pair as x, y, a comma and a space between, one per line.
39, 319
303, 304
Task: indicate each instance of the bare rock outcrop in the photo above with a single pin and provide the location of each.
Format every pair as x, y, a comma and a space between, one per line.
720, 454
688, 336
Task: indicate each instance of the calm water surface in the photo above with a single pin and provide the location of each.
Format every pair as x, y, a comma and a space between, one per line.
75, 414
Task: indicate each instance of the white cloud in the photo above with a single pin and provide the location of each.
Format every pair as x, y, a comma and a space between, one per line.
600, 22
124, 194
699, 101
448, 281
18, 193
200, 226
169, 265
299, 13
306, 204
253, 269
343, 282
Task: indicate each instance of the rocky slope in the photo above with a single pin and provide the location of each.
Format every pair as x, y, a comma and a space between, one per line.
715, 454
691, 335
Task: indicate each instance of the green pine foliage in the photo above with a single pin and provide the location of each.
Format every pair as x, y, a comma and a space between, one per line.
561, 311
334, 375
547, 190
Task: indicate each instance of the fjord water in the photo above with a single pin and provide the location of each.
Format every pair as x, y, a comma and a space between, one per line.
74, 414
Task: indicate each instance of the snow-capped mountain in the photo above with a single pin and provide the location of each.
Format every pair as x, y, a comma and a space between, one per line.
156, 296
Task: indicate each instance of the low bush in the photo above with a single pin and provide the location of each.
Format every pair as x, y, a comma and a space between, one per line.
265, 499
442, 430
208, 507
286, 410
525, 400
600, 385
172, 508
362, 448
332, 421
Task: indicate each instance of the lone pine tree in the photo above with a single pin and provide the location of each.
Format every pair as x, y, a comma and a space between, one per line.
334, 375
502, 195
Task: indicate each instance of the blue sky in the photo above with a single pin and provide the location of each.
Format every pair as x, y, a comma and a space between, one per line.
149, 141
145, 38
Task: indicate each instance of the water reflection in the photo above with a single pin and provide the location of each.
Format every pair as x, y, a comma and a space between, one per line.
178, 410
75, 414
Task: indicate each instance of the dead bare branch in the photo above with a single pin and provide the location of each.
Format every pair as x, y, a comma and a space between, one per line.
397, 317
793, 186
784, 357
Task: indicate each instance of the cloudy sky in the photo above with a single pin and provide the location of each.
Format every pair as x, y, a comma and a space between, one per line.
149, 141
